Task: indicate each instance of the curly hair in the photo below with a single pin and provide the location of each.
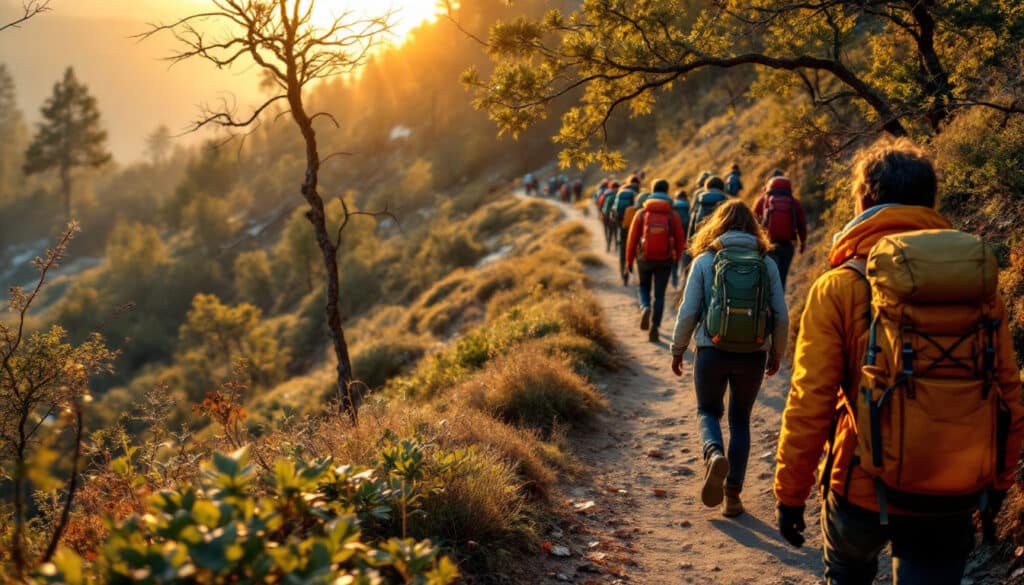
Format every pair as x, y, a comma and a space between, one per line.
731, 216
894, 170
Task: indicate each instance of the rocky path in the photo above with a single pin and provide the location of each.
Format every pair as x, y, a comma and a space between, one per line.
637, 516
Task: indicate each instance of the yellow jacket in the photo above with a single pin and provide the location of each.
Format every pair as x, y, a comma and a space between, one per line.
829, 351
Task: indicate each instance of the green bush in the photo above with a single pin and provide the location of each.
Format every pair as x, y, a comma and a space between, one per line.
305, 527
377, 362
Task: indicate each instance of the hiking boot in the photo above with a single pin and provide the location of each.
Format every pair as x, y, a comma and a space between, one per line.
713, 491
653, 336
645, 318
733, 506
625, 279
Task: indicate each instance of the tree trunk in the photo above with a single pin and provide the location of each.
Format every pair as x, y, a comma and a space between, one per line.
349, 397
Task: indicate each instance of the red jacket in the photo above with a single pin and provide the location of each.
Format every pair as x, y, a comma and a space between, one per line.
636, 229
801, 219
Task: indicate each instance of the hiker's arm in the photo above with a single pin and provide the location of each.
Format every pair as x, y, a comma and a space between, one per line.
817, 373
634, 239
691, 309
1010, 389
780, 333
801, 223
759, 208
678, 236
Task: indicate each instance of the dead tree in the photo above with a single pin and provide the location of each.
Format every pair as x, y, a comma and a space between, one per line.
280, 37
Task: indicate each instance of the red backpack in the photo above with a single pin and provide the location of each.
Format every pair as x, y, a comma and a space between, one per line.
779, 217
656, 237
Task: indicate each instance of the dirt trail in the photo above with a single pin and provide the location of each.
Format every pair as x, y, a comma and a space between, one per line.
647, 442
642, 472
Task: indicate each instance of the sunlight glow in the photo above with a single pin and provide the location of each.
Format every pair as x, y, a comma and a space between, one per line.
408, 14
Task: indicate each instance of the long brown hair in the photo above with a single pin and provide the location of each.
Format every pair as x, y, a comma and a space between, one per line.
731, 216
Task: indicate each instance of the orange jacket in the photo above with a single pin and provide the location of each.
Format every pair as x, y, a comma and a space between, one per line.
636, 229
829, 350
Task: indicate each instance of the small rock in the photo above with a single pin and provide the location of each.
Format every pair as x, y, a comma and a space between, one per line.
584, 506
562, 577
660, 493
686, 524
655, 453
561, 551
685, 566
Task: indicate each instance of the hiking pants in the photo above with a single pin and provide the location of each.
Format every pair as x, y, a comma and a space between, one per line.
783, 255
609, 235
623, 236
680, 268
713, 371
654, 274
926, 550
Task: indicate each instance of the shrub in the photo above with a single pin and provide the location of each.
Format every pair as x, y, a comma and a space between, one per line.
305, 527
378, 361
254, 280
533, 389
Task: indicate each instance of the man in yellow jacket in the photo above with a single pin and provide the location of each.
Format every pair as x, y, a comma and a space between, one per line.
894, 185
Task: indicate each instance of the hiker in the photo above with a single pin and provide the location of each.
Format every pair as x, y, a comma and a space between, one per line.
577, 190
701, 181
604, 205
735, 304
655, 243
530, 184
905, 379
681, 205
710, 196
622, 211
733, 184
552, 187
777, 173
783, 218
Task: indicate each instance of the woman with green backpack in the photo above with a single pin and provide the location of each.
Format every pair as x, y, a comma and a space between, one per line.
735, 303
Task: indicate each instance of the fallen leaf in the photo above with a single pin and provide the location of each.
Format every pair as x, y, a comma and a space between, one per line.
686, 524
660, 492
655, 453
546, 548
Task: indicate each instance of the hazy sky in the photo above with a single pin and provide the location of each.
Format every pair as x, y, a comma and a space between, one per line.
136, 91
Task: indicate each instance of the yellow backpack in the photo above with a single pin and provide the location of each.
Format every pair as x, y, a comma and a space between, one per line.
931, 426
627, 217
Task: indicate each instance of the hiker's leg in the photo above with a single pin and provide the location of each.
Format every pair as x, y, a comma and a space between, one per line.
931, 550
745, 377
852, 539
783, 255
646, 276
661, 276
675, 274
710, 376
622, 251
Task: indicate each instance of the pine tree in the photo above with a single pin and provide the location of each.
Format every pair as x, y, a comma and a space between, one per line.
69, 136
12, 128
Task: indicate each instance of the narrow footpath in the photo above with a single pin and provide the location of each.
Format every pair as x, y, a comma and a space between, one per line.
638, 516
634, 513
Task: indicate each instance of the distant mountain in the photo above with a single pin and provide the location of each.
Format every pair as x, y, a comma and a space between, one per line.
136, 91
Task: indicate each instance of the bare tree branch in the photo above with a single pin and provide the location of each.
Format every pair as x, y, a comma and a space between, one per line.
29, 8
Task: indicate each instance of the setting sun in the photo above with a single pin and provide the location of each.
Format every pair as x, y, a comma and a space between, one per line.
408, 14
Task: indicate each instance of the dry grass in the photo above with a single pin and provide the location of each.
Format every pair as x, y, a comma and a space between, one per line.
533, 389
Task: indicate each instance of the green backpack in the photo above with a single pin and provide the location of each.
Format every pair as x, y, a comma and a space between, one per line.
740, 310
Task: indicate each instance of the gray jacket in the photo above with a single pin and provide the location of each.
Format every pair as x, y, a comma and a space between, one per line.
697, 297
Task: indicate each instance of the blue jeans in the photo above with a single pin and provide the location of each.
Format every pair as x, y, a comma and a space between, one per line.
742, 373
680, 267
654, 274
926, 550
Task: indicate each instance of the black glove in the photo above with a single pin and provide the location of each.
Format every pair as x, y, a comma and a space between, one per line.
988, 515
791, 524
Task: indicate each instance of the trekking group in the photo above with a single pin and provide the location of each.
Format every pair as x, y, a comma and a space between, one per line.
905, 405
